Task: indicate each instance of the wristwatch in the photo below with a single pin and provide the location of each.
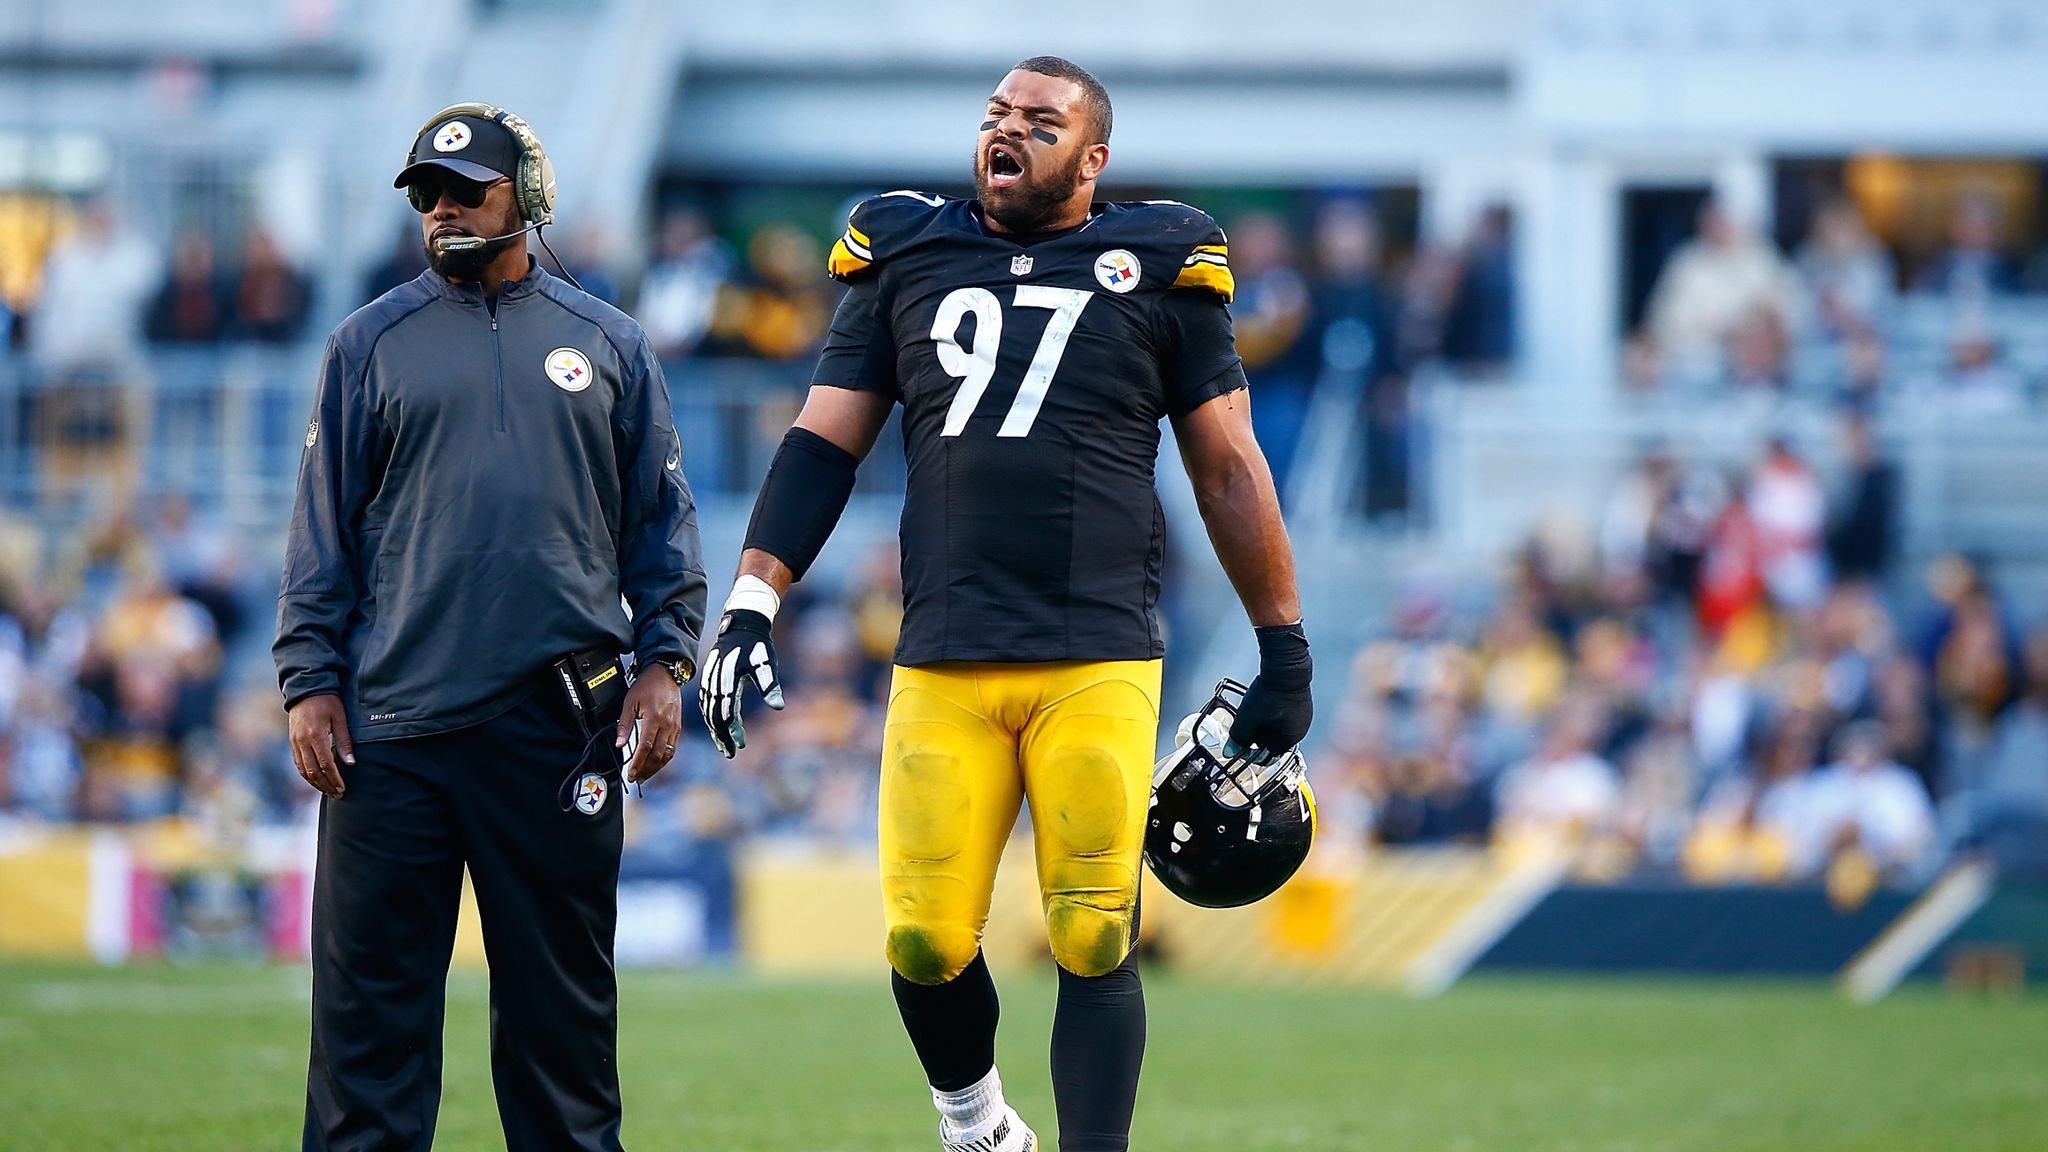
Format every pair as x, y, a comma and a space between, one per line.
682, 670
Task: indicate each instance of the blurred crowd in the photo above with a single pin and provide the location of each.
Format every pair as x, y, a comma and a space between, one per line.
1722, 677
1323, 286
1341, 309
131, 678
1725, 675
94, 293
1837, 316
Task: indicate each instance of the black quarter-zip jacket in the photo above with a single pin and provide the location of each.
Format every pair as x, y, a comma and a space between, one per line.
480, 487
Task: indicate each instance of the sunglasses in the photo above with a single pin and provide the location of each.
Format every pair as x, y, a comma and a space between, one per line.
426, 192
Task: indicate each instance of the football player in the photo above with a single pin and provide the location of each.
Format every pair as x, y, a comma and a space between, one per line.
1035, 339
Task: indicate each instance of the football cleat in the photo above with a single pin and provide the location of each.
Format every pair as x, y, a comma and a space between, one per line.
1010, 1134
1223, 831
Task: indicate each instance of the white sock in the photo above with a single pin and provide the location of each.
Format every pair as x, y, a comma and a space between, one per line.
972, 1111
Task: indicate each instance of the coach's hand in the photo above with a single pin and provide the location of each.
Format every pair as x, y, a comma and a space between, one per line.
318, 727
743, 653
1277, 707
656, 700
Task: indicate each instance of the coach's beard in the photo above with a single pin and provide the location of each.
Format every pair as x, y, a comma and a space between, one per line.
1030, 205
468, 264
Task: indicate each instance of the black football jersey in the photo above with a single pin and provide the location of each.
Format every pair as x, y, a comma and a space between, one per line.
1033, 372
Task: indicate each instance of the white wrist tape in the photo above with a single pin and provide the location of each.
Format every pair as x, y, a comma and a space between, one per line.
752, 594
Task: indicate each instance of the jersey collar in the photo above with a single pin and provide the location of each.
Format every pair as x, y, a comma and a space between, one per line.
1032, 239
526, 285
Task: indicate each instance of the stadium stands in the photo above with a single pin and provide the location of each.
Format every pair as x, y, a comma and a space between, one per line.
1633, 594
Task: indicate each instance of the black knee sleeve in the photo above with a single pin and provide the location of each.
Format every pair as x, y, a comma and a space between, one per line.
952, 1025
1098, 1047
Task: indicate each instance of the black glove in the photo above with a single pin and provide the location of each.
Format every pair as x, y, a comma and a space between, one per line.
1277, 708
743, 652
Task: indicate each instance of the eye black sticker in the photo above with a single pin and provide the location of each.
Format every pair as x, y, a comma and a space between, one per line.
987, 125
1044, 136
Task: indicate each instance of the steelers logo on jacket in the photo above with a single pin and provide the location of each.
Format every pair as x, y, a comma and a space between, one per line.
569, 369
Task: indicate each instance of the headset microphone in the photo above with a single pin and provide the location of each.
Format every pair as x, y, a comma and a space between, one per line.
446, 244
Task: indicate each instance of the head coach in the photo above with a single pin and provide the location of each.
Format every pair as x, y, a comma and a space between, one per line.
491, 467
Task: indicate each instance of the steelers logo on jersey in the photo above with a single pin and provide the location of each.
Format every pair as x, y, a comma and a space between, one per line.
1117, 270
451, 137
569, 369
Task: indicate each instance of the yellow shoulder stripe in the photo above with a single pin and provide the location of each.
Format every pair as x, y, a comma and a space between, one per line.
859, 237
1218, 249
1202, 274
843, 262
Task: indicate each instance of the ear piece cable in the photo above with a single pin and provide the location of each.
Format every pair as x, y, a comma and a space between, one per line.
591, 763
541, 231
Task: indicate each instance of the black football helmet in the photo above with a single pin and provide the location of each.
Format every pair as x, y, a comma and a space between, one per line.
1223, 832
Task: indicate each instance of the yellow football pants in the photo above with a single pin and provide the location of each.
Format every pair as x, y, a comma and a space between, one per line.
962, 746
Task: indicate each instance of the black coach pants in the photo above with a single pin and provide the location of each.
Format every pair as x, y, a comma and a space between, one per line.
388, 884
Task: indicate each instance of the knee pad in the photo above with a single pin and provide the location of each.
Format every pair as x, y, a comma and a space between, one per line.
1089, 937
1091, 882
931, 954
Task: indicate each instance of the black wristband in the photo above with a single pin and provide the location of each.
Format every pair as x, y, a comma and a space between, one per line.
1283, 653
800, 502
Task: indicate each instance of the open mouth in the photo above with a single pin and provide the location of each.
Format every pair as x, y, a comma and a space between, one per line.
1004, 166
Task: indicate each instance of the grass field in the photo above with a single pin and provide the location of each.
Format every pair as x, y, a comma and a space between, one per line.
169, 1059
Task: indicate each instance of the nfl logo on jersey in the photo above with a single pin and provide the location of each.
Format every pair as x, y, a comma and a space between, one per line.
1020, 265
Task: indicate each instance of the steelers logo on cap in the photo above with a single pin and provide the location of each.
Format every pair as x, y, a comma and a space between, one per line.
451, 137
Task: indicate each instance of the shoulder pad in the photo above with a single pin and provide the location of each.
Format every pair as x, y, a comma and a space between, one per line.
876, 227
1184, 243
1204, 250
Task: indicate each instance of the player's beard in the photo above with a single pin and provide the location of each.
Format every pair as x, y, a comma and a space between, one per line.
469, 264
1034, 202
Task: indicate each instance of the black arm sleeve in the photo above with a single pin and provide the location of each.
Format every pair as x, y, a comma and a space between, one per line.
860, 352
802, 499
1198, 351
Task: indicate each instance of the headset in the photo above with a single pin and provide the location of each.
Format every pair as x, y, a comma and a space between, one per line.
533, 185
533, 182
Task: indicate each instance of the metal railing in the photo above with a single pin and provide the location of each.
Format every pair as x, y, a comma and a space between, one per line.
1971, 483
220, 425
224, 425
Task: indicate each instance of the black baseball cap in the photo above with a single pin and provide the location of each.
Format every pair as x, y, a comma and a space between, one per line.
474, 147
